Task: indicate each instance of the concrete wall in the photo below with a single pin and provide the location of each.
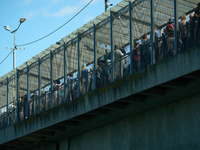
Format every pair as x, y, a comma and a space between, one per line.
173, 126
152, 128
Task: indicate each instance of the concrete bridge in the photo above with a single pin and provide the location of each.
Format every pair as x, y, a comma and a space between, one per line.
155, 108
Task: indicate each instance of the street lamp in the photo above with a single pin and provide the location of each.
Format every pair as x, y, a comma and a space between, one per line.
106, 8
15, 47
107, 5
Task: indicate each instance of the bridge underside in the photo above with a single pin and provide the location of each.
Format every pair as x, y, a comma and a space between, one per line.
166, 82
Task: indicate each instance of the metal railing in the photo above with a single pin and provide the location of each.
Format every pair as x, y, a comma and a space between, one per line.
141, 58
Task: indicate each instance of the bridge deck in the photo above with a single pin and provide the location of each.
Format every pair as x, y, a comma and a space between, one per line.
165, 82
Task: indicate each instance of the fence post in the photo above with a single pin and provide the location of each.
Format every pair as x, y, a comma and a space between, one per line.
39, 85
141, 56
187, 31
95, 57
79, 72
7, 94
51, 77
163, 47
112, 47
131, 40
152, 33
17, 96
28, 91
64, 61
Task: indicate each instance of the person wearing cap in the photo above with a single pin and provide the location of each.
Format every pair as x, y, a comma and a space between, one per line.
170, 28
84, 70
170, 40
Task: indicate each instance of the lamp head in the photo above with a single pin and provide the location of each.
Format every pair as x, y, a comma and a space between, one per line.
106, 1
22, 20
7, 28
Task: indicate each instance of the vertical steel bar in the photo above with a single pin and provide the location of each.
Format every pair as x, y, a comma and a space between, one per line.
14, 53
45, 101
120, 65
79, 73
17, 98
175, 27
112, 47
95, 56
187, 31
7, 94
131, 38
51, 77
71, 89
33, 106
28, 92
152, 33
39, 85
163, 48
141, 57
64, 60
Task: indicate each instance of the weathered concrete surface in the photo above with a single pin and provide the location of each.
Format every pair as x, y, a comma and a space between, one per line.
152, 76
170, 127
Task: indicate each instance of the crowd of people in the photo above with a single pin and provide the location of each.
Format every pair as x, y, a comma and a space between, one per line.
188, 36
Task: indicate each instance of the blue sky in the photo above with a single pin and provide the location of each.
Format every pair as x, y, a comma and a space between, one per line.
42, 17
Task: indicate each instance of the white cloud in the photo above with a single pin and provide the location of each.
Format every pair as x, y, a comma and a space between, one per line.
64, 11
28, 1
87, 1
56, 1
84, 2
88, 18
67, 10
31, 15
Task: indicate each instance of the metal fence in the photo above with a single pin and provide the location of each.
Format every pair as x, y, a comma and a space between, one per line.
70, 72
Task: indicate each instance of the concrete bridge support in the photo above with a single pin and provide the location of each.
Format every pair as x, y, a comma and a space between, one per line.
173, 126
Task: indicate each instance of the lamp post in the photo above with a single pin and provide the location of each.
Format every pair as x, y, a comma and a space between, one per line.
106, 8
107, 5
15, 47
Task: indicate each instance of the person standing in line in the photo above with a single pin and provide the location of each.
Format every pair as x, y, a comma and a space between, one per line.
136, 55
55, 94
118, 56
146, 51
170, 40
70, 87
157, 48
84, 79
